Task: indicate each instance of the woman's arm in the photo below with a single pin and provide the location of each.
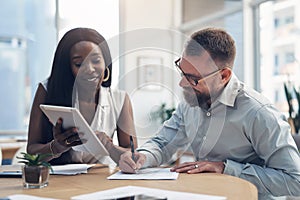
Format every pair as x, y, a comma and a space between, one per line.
125, 128
35, 131
125, 125
35, 144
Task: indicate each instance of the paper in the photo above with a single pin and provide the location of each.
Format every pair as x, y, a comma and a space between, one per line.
135, 190
69, 169
147, 174
25, 197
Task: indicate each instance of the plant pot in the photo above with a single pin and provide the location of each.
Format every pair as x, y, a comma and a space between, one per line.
35, 176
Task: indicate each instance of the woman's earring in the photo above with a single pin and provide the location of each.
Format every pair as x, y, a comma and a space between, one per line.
108, 74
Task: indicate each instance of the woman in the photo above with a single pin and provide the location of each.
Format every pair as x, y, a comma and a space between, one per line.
81, 78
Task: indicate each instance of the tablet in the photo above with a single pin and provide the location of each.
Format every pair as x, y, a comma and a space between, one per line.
73, 118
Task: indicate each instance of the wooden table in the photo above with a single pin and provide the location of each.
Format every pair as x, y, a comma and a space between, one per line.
64, 187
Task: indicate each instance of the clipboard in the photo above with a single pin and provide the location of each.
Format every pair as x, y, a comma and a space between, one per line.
73, 118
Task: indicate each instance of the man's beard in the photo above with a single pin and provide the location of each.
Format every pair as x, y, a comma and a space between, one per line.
195, 98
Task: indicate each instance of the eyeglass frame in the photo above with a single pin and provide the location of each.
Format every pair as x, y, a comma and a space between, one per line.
189, 78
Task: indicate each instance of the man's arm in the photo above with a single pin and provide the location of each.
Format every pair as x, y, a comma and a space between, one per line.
272, 141
172, 137
160, 149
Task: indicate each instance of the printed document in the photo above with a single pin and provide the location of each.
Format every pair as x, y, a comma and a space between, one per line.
147, 174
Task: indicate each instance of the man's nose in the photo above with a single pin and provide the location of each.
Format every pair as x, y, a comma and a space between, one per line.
184, 83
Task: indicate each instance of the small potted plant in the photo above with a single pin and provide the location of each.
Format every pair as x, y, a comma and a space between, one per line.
35, 171
162, 113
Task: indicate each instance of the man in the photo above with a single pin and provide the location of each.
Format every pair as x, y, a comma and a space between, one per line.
230, 128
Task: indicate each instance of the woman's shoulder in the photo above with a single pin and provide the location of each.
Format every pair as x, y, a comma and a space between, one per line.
117, 96
115, 93
44, 83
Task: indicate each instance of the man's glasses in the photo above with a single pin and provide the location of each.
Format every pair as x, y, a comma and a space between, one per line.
192, 79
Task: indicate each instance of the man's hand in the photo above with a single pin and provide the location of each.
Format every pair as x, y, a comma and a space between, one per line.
127, 165
199, 166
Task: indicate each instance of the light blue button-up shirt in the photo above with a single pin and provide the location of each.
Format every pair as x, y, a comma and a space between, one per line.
242, 128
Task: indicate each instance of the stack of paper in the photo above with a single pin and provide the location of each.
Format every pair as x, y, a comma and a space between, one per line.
70, 169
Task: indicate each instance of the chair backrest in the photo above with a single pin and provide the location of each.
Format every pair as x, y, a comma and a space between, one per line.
15, 160
297, 140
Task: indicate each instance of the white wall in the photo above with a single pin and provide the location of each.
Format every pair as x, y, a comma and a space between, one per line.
148, 41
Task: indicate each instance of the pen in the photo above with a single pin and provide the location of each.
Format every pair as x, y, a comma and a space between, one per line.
132, 148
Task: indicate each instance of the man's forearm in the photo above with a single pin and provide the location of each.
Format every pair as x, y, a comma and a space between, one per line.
267, 180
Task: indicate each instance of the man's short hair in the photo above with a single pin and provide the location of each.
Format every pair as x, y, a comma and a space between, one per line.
217, 42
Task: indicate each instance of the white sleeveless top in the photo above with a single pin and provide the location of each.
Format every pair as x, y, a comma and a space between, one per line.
109, 108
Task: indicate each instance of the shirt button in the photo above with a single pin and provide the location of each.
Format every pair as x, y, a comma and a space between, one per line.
204, 138
208, 114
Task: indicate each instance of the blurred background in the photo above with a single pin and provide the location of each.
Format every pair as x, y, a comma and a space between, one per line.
145, 38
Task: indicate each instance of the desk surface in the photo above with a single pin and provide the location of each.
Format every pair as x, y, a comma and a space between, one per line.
64, 187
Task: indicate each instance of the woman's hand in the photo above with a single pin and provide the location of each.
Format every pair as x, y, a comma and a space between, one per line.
105, 140
114, 151
65, 139
199, 166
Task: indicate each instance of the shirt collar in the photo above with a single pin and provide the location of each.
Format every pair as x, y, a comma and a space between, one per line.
231, 90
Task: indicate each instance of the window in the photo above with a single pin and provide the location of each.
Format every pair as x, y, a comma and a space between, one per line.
13, 75
289, 20
25, 57
278, 47
276, 22
276, 95
276, 65
27, 49
289, 57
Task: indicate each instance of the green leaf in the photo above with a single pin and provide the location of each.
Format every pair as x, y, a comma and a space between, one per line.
35, 159
298, 98
24, 162
288, 96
